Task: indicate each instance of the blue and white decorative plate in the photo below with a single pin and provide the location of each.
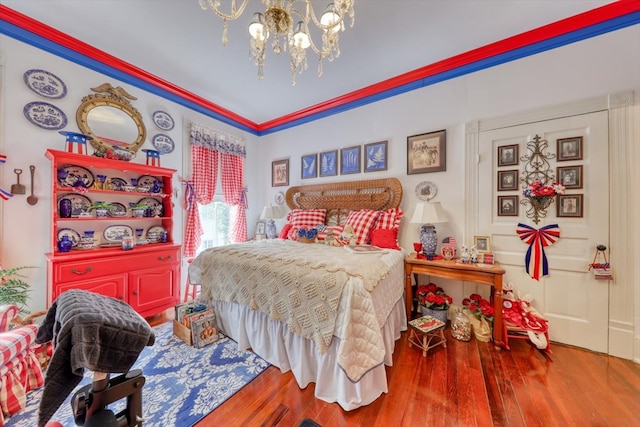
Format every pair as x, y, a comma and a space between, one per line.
154, 233
115, 233
73, 235
45, 115
163, 143
75, 176
163, 120
147, 180
118, 183
117, 210
45, 83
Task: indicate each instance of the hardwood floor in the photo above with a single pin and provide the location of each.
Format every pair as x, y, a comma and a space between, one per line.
466, 384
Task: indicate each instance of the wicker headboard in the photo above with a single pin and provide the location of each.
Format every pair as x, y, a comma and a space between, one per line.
376, 194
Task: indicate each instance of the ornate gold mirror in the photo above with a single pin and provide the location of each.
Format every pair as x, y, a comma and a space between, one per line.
111, 120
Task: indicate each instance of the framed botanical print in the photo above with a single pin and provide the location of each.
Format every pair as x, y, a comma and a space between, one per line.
350, 160
427, 152
570, 176
569, 148
309, 166
507, 205
280, 173
508, 180
375, 156
570, 205
329, 163
508, 155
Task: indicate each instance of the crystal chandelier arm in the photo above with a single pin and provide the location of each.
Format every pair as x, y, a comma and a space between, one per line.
214, 5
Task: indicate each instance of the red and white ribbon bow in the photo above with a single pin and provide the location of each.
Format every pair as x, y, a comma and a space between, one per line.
536, 260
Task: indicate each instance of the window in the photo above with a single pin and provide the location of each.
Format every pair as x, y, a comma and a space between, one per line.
216, 219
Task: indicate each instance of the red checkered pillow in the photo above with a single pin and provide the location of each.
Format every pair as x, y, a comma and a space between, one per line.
306, 217
362, 222
389, 219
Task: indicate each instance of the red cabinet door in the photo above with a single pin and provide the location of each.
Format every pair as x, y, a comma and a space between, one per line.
154, 289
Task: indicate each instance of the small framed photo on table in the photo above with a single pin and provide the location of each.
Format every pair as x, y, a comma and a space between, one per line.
482, 243
261, 230
570, 205
280, 173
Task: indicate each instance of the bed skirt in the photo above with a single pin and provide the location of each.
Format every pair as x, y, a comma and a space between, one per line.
273, 341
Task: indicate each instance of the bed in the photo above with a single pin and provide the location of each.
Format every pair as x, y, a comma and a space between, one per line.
327, 314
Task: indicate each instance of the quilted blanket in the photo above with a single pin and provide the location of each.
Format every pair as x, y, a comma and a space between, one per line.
309, 287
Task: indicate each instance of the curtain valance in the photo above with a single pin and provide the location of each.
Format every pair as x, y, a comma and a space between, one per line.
217, 140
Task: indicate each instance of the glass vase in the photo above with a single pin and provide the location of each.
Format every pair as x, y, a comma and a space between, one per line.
64, 244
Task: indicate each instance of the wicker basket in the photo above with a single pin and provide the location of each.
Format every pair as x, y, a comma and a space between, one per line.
306, 240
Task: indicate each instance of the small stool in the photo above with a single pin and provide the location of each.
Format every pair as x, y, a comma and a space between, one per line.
194, 287
153, 157
79, 139
426, 339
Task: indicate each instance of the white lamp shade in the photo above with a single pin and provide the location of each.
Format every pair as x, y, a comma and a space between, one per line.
271, 212
428, 213
257, 29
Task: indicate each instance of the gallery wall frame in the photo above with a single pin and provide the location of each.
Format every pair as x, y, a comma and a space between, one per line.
280, 173
309, 166
508, 155
507, 205
328, 163
508, 180
570, 176
570, 206
569, 148
427, 152
375, 156
350, 160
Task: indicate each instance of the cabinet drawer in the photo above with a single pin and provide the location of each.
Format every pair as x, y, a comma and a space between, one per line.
72, 271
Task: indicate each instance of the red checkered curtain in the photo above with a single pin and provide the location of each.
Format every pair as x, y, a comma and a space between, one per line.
208, 147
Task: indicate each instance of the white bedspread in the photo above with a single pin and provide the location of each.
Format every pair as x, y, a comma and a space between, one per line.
357, 318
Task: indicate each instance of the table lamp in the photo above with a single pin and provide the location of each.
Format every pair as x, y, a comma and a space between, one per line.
428, 214
270, 213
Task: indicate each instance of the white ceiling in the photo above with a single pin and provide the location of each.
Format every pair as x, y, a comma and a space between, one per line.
179, 42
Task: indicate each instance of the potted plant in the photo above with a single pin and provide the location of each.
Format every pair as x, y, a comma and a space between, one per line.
138, 209
101, 208
434, 301
13, 289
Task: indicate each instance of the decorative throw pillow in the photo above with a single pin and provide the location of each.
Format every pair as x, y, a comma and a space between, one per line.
284, 233
385, 238
336, 229
362, 222
389, 218
306, 217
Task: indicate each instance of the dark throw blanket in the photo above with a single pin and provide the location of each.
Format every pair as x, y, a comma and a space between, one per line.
89, 331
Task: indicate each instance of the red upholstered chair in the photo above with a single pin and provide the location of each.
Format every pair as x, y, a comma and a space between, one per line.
20, 370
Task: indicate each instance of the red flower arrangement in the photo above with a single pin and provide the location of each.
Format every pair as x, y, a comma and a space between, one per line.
433, 297
479, 306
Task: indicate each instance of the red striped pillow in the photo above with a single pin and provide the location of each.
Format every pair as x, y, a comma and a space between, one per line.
389, 219
362, 222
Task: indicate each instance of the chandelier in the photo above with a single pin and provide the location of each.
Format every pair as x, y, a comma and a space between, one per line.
277, 23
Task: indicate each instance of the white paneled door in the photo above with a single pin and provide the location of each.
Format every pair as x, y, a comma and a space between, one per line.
575, 303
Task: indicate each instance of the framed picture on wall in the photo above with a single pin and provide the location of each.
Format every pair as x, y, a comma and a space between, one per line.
508, 155
350, 160
507, 205
329, 163
309, 166
569, 148
508, 180
570, 205
375, 156
280, 173
570, 176
427, 152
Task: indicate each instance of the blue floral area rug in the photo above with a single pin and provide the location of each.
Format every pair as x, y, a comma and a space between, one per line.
183, 384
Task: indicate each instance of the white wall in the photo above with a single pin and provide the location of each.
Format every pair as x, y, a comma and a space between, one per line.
606, 64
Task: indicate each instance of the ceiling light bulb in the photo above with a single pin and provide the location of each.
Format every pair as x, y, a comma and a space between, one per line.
329, 17
257, 28
300, 37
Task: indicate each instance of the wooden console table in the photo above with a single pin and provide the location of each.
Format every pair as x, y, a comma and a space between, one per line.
491, 276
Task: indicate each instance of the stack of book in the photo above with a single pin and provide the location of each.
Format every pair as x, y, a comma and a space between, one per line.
195, 324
